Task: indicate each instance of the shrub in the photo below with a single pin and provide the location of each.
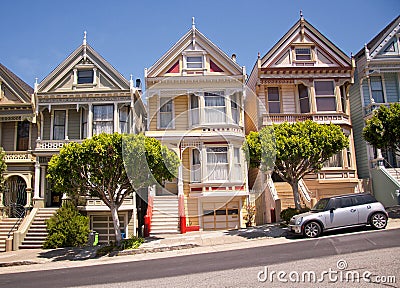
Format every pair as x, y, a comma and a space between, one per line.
132, 242
288, 213
67, 228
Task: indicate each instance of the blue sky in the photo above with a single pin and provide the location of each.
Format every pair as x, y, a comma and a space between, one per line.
131, 35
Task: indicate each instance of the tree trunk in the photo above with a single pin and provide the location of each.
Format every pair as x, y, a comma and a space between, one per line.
117, 231
296, 196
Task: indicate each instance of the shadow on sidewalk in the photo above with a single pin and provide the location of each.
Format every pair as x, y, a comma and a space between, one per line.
71, 254
265, 231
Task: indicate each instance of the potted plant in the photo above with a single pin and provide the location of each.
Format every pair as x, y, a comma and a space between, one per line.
249, 217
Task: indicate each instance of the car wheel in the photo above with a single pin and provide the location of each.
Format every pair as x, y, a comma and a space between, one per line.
312, 230
378, 220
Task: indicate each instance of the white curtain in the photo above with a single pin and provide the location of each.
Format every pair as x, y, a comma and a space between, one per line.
237, 167
103, 119
217, 163
214, 107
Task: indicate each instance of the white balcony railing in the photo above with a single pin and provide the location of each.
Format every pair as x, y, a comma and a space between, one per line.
47, 145
18, 156
322, 118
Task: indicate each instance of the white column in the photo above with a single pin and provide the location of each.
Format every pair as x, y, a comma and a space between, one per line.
180, 180
228, 107
75, 76
90, 121
42, 183
94, 76
36, 194
116, 118
66, 124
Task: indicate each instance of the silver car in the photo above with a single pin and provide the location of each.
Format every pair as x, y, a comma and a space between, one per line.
340, 212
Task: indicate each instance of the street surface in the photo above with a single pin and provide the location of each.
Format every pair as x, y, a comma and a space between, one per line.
375, 252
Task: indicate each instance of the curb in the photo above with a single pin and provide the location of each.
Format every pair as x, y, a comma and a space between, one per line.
152, 250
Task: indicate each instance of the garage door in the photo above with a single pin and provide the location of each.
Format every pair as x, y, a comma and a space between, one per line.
103, 225
221, 216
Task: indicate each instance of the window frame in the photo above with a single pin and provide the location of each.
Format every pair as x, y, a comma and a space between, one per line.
374, 90
227, 163
171, 124
86, 77
304, 98
102, 120
59, 125
325, 96
221, 94
23, 127
274, 101
302, 54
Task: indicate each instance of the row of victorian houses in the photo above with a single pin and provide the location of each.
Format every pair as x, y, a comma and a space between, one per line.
201, 104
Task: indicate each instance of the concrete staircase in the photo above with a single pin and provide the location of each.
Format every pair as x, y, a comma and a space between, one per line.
6, 224
395, 172
285, 193
165, 215
37, 231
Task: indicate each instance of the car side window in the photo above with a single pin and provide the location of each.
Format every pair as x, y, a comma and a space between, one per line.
346, 202
359, 200
332, 204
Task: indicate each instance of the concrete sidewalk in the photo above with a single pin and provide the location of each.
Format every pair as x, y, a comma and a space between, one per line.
162, 246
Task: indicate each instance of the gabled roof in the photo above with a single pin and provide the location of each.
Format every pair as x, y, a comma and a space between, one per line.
83, 51
314, 35
183, 43
374, 43
24, 91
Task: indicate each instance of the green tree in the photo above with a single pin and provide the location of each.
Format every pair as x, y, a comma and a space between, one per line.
294, 150
383, 129
67, 228
3, 168
111, 167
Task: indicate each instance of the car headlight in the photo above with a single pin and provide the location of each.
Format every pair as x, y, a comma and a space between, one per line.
299, 220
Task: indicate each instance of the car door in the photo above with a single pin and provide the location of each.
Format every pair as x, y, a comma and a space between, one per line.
364, 207
342, 213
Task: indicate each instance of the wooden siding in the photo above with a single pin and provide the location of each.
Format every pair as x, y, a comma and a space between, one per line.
391, 86
192, 211
73, 124
186, 165
365, 89
357, 119
181, 112
152, 102
46, 125
8, 136
288, 97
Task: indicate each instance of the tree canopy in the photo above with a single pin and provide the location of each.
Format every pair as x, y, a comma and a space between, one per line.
383, 129
111, 167
294, 150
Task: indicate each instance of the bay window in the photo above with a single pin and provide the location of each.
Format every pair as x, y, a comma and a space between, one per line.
325, 95
103, 119
217, 163
194, 109
377, 89
235, 108
59, 125
124, 119
274, 103
334, 161
304, 99
214, 107
165, 112
196, 167
237, 167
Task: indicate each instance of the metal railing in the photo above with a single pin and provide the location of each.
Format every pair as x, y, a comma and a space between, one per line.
19, 211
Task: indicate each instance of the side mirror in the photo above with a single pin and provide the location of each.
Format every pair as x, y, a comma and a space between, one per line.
332, 209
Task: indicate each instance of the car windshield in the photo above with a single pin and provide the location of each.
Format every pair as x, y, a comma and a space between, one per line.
321, 205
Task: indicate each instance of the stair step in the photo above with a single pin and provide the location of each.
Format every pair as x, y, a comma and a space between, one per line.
30, 246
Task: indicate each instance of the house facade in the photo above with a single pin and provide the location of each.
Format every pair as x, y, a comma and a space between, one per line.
195, 99
304, 76
82, 97
18, 133
377, 82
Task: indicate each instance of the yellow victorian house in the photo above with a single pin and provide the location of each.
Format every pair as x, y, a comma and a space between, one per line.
195, 97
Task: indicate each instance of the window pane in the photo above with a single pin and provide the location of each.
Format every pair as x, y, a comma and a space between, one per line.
165, 105
304, 106
194, 62
303, 54
165, 119
274, 107
376, 83
23, 136
273, 94
303, 91
324, 88
59, 117
85, 76
326, 104
103, 112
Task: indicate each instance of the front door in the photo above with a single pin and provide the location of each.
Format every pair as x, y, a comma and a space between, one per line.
15, 196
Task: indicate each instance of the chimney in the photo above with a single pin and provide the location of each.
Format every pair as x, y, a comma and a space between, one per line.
234, 58
138, 84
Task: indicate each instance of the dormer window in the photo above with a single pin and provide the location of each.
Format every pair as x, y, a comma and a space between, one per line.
85, 76
303, 54
194, 62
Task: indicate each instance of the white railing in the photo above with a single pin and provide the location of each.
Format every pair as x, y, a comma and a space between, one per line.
304, 191
17, 156
271, 188
52, 144
322, 118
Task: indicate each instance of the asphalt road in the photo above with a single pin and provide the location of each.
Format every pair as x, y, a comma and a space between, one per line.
203, 263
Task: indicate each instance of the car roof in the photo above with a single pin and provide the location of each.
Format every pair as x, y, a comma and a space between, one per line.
348, 195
